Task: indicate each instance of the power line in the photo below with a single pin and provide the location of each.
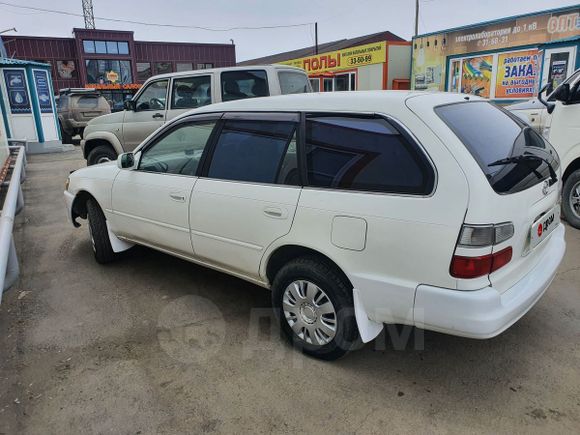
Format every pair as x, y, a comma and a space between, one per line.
142, 23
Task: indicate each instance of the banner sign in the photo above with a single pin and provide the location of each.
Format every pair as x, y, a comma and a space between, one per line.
113, 86
517, 74
431, 53
347, 58
43, 90
476, 78
15, 80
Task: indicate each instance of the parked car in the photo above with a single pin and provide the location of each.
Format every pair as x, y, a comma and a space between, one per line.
166, 96
356, 209
76, 107
562, 130
531, 111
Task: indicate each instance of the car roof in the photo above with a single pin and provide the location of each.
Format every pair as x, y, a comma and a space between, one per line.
347, 101
223, 69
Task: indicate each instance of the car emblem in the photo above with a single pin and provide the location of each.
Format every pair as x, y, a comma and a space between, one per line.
546, 187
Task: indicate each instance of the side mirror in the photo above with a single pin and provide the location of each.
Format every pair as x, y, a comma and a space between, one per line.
549, 105
562, 92
129, 105
126, 161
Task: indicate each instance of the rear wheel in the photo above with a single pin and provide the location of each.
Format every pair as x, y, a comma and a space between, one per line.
314, 305
99, 233
101, 154
571, 199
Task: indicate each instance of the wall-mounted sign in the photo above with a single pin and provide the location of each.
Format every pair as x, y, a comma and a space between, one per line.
43, 90
112, 76
347, 58
113, 86
517, 74
18, 99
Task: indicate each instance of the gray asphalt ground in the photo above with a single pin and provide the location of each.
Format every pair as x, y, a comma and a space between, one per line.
153, 344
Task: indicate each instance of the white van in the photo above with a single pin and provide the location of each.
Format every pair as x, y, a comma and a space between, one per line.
355, 208
166, 96
562, 129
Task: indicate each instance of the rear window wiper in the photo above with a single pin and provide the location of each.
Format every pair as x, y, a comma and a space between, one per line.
528, 157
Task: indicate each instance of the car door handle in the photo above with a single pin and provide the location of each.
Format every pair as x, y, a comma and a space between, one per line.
275, 212
157, 116
176, 196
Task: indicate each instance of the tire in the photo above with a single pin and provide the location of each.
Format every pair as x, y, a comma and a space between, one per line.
571, 199
99, 233
101, 154
337, 290
66, 137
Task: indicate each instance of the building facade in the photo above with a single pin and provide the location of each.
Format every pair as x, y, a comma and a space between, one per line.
505, 60
377, 61
112, 60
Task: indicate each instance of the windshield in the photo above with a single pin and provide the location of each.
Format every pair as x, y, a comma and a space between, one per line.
491, 134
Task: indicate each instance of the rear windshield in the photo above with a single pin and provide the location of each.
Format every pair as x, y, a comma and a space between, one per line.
490, 134
293, 82
88, 102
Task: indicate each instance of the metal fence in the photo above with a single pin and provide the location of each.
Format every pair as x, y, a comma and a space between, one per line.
13, 204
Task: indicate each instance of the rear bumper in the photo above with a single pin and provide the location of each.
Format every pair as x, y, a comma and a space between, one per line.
486, 313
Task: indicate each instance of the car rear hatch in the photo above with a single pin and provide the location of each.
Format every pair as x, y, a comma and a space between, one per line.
514, 189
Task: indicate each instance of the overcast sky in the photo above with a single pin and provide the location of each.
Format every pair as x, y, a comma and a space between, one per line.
336, 19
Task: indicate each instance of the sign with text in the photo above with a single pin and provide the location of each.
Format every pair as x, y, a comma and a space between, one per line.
517, 74
347, 58
18, 99
43, 90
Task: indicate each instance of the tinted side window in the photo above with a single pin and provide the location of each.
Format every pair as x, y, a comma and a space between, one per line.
237, 85
179, 151
347, 152
191, 92
256, 151
153, 97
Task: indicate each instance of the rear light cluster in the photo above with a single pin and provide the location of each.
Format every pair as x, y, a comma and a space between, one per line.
482, 236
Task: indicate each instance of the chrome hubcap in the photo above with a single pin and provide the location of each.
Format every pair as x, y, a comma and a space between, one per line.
309, 312
575, 199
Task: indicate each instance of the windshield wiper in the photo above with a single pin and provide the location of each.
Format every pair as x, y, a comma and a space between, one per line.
527, 158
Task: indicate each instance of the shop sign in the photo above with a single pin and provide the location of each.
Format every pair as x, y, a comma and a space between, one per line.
114, 86
15, 80
112, 76
347, 58
476, 78
517, 74
43, 90
431, 52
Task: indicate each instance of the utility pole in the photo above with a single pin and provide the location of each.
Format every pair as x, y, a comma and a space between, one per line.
88, 14
416, 17
316, 38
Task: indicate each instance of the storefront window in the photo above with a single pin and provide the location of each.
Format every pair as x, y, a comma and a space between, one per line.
204, 65
108, 71
183, 67
66, 69
123, 48
315, 83
328, 85
163, 67
106, 47
143, 70
112, 47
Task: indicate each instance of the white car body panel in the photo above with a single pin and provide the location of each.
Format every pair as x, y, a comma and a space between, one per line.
398, 255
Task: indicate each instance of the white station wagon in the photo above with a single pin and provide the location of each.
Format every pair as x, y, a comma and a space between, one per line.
356, 209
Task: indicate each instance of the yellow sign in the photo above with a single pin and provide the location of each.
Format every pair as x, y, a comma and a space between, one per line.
347, 58
112, 76
517, 74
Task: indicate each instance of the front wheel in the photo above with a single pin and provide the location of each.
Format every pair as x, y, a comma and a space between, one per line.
99, 233
101, 154
571, 199
314, 305
66, 136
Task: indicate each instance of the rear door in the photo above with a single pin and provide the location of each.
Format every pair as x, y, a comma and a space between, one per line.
148, 116
248, 194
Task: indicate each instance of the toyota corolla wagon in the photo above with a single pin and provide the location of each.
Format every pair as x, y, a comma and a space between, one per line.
356, 209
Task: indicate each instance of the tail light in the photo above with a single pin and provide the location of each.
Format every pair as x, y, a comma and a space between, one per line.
474, 267
482, 236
